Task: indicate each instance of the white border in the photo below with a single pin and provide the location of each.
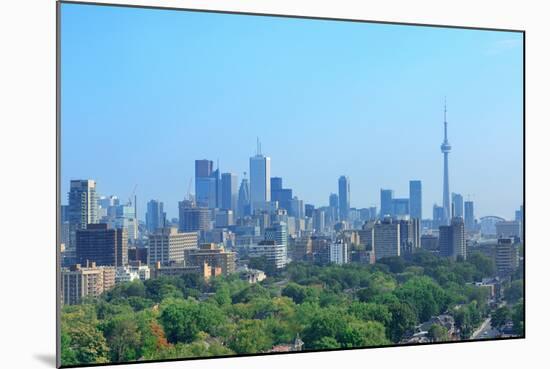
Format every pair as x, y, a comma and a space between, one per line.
27, 149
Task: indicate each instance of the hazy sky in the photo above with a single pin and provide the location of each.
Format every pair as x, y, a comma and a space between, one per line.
146, 92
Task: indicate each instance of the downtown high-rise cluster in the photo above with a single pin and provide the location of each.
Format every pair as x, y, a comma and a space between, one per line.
227, 226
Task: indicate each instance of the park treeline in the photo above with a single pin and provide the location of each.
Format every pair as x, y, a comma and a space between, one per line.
327, 307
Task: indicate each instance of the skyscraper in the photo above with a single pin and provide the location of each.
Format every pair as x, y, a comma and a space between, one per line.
452, 241
206, 186
343, 197
203, 168
309, 208
438, 216
333, 204
386, 203
458, 205
409, 235
229, 191
82, 209
296, 208
192, 219
243, 203
168, 245
155, 216
507, 256
446, 149
276, 184
387, 238
338, 252
282, 195
278, 232
415, 199
260, 180
103, 245
319, 220
469, 218
400, 207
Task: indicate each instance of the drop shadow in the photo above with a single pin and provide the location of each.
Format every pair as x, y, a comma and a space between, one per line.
48, 359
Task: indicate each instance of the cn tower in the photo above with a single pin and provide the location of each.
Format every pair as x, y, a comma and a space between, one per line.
446, 149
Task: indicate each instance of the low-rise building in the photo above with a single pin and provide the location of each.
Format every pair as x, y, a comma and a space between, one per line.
253, 275
338, 252
78, 282
132, 272
216, 257
507, 256
273, 252
176, 269
167, 245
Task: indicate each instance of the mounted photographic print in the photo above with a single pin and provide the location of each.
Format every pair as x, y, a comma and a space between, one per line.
238, 184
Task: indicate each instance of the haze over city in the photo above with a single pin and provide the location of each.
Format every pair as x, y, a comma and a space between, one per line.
147, 95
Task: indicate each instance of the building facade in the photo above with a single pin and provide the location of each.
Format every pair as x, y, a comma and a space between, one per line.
343, 197
469, 217
155, 216
167, 245
415, 198
273, 252
507, 256
78, 282
260, 181
452, 239
386, 203
214, 256
387, 240
102, 244
229, 191
82, 209
193, 219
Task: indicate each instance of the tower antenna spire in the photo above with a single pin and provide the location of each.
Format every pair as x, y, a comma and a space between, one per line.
258, 146
445, 150
445, 117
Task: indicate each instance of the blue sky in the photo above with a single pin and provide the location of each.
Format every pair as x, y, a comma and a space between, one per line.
146, 92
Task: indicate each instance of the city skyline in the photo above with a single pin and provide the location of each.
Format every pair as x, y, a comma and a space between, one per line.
349, 224
316, 141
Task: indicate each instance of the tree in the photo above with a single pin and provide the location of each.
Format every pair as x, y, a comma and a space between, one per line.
500, 317
438, 333
363, 334
484, 265
325, 343
123, 337
251, 336
395, 263
261, 263
403, 319
178, 320
424, 295
296, 292
192, 350
467, 317
152, 338
378, 284
515, 291
249, 293
328, 322
82, 341
371, 312
182, 319
68, 354
518, 318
